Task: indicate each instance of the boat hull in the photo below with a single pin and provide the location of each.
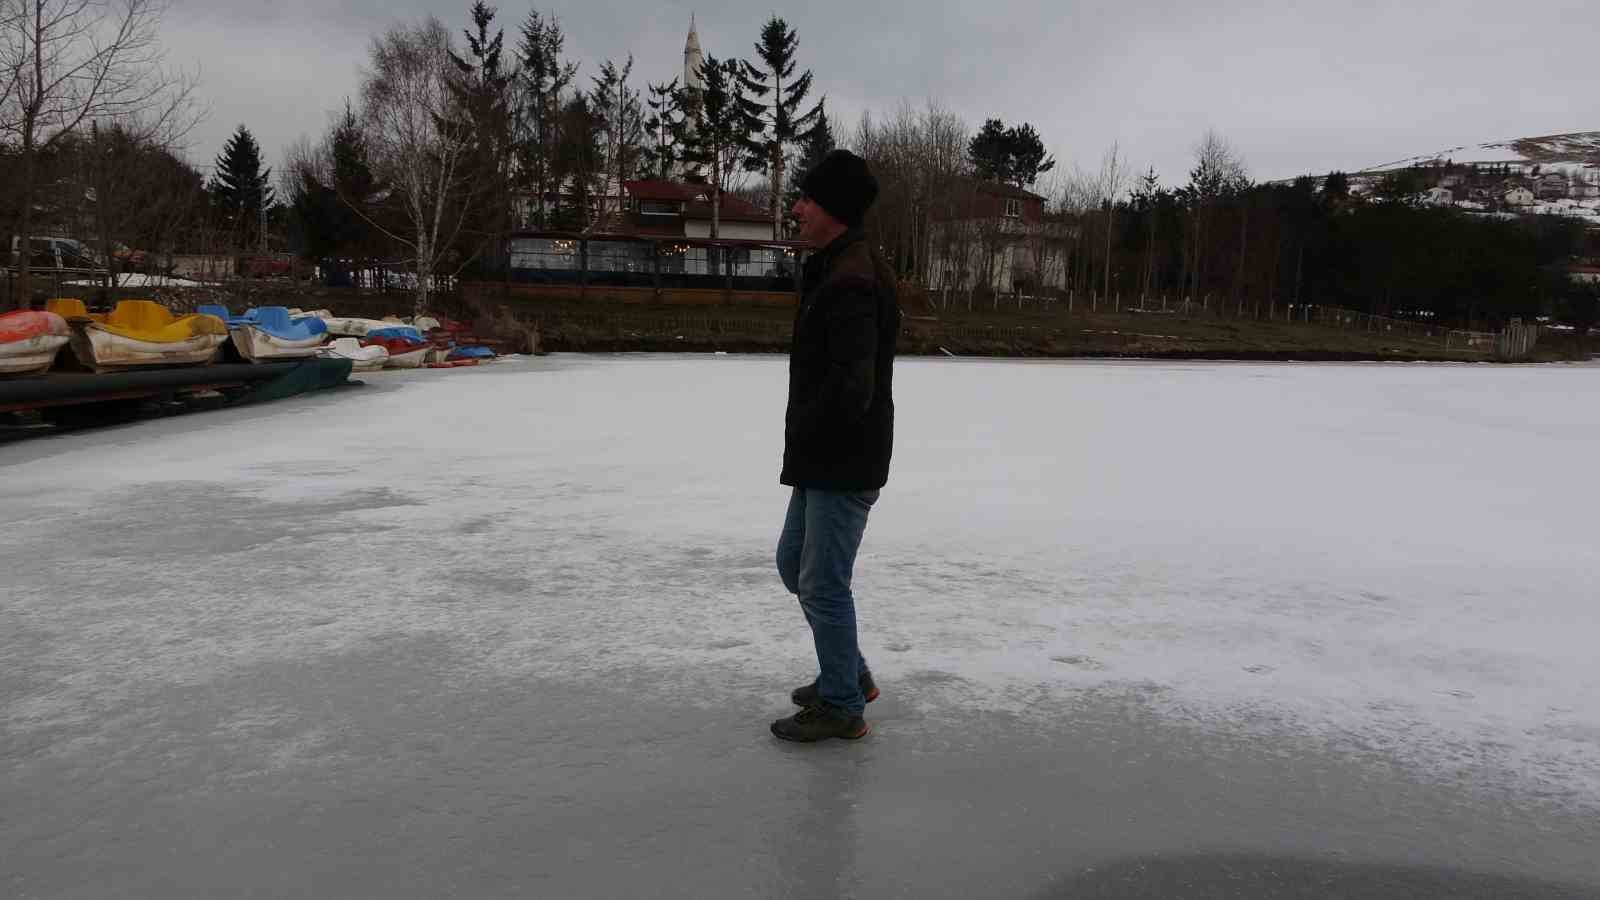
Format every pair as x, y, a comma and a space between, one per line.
354, 327
411, 359
32, 355
256, 345
362, 359
100, 349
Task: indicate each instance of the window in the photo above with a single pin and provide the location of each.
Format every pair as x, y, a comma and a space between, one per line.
657, 208
544, 254
1013, 208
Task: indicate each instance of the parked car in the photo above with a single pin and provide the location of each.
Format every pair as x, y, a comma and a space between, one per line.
266, 266
56, 254
130, 259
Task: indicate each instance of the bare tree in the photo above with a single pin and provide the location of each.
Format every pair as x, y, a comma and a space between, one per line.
1044, 244
1218, 173
67, 63
1109, 184
142, 186
926, 192
622, 119
541, 89
1079, 195
418, 141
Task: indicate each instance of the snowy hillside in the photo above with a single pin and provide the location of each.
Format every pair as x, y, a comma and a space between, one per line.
1576, 151
1557, 174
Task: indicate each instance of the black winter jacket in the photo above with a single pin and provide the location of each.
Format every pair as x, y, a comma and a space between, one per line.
839, 428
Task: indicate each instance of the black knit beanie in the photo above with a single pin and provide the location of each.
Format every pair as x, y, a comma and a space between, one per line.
842, 184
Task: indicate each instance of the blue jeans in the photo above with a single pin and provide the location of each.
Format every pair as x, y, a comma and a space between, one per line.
816, 554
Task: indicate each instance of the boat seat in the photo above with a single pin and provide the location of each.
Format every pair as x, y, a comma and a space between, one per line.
396, 331
150, 321
68, 308
276, 320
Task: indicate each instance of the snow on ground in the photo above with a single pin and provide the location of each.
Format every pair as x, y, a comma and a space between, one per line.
1397, 556
1572, 153
137, 279
1393, 564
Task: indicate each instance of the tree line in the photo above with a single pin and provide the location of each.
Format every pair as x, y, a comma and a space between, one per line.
450, 148
1217, 239
456, 139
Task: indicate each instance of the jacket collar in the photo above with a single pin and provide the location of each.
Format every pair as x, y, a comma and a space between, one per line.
822, 260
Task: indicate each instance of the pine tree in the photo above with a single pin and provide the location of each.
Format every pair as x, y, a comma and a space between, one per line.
1336, 187
665, 128
1014, 156
483, 94
721, 141
990, 152
781, 123
576, 165
1028, 157
816, 144
622, 125
241, 188
545, 78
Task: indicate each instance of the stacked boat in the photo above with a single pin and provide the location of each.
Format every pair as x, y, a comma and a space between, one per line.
362, 358
270, 333
354, 326
140, 333
30, 340
405, 345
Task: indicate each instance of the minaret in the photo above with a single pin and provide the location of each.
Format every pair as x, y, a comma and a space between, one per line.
693, 59
693, 87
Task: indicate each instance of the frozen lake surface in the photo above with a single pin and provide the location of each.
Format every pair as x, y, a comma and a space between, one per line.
1143, 629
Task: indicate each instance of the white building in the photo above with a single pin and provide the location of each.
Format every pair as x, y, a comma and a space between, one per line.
694, 59
1518, 196
993, 236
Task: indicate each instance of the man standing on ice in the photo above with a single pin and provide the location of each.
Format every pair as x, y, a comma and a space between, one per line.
838, 433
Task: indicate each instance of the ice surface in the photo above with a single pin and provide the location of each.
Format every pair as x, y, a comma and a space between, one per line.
1384, 567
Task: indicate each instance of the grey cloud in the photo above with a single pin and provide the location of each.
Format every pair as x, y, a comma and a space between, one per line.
1296, 87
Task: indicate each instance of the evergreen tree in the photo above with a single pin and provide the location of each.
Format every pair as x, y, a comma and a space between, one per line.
241, 189
352, 169
1014, 156
545, 78
665, 128
1403, 186
782, 124
817, 142
621, 119
1336, 187
332, 212
721, 141
990, 152
482, 92
576, 165
1028, 157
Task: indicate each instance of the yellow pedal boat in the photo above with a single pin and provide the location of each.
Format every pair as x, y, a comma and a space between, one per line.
144, 333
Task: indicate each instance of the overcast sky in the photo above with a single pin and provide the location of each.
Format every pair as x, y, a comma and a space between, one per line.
1296, 87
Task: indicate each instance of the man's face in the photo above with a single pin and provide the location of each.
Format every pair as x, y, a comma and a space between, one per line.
817, 228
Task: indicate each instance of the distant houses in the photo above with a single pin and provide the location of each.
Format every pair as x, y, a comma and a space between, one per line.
1517, 196
655, 208
994, 235
1553, 186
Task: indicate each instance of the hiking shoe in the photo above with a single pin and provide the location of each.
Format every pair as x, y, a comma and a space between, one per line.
820, 722
808, 696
